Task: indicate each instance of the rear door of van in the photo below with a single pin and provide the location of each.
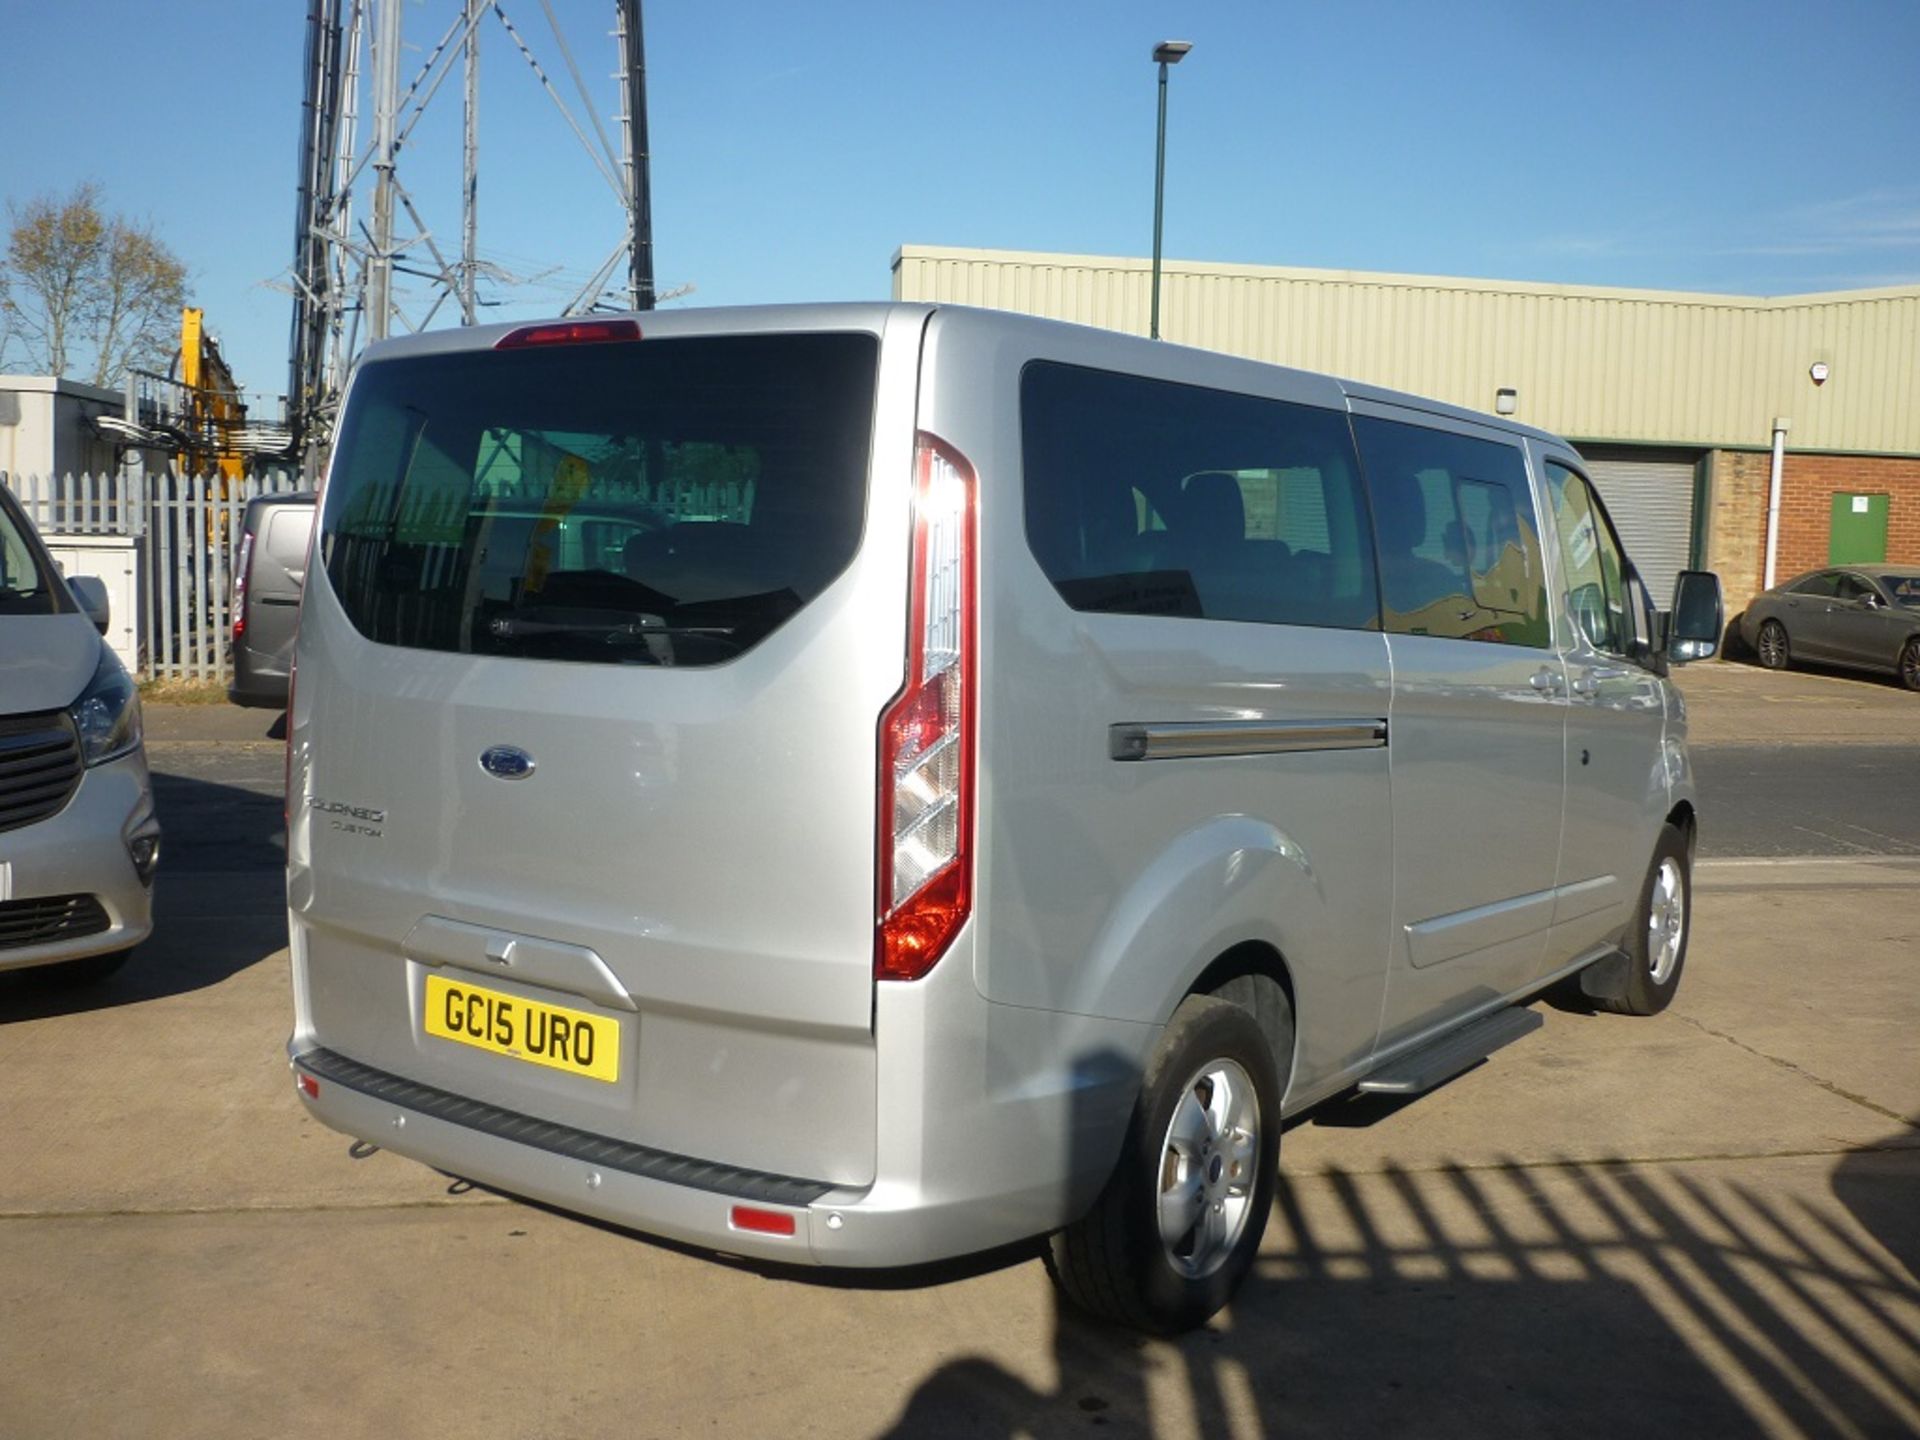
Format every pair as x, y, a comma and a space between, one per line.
583, 779
278, 565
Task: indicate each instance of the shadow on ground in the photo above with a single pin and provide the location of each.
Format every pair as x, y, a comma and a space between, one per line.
1571, 1298
218, 905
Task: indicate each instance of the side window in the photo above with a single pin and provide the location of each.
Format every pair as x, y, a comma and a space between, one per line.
1145, 497
1852, 587
1459, 547
1595, 569
1825, 583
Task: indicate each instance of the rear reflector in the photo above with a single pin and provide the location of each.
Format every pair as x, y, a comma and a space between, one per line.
763, 1222
308, 1084
569, 332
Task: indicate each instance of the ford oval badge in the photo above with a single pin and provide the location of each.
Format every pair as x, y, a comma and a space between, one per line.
506, 762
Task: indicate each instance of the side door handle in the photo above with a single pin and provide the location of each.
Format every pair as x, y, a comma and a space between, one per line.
1587, 682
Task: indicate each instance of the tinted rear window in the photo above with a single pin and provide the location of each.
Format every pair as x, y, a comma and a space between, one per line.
654, 502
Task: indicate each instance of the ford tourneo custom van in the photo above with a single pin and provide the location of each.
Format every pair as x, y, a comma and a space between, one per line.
861, 784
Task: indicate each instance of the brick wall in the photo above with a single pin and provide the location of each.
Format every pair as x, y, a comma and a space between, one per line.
1737, 542
1738, 500
1806, 505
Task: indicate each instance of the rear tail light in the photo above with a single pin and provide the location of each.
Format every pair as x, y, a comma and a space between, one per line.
239, 610
569, 332
927, 733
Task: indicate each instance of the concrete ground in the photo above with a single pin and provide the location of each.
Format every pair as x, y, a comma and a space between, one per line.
1705, 1223
1731, 703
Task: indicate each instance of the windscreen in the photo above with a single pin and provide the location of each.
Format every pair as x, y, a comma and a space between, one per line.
1905, 589
27, 584
657, 502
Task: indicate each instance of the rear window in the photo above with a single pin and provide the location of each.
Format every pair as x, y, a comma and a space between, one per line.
655, 502
27, 583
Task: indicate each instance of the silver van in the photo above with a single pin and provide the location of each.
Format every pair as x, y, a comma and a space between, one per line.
79, 841
268, 573
862, 784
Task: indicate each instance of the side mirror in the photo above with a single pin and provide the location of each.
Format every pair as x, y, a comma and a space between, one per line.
91, 594
1698, 617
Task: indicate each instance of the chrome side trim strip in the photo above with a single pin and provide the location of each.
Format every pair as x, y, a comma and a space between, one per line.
1196, 739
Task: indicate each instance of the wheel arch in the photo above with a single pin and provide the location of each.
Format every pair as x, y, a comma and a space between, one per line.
1683, 818
1255, 976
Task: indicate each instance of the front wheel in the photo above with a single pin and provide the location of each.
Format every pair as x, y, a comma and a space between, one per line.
1910, 664
1657, 944
1177, 1226
1772, 647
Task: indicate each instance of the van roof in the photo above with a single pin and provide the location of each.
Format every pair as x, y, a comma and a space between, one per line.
873, 315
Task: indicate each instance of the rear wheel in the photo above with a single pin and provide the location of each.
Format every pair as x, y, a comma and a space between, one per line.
1772, 647
1657, 945
1910, 664
1177, 1226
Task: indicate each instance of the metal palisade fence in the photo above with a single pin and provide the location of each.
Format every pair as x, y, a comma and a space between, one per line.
170, 540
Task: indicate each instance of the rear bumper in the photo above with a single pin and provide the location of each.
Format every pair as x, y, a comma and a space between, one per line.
995, 1125
254, 686
82, 851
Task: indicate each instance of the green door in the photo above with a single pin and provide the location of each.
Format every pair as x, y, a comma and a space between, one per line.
1859, 532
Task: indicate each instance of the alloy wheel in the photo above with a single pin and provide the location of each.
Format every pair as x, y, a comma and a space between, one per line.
1666, 921
1207, 1168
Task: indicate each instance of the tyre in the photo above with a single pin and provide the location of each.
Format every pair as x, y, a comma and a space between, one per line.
1176, 1228
1656, 945
1910, 664
88, 971
1772, 646
1734, 644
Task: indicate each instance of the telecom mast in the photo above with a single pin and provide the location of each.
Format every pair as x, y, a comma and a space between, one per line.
344, 290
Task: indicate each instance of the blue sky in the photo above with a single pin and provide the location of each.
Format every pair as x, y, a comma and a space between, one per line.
1760, 147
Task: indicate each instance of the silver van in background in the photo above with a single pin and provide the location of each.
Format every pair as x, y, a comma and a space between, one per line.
863, 784
268, 573
79, 841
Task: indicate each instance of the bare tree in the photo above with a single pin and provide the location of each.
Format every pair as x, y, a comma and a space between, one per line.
80, 285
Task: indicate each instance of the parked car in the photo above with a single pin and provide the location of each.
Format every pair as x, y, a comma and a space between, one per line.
79, 842
269, 570
959, 809
1864, 617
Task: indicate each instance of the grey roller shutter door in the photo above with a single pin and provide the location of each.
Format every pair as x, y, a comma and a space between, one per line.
1651, 502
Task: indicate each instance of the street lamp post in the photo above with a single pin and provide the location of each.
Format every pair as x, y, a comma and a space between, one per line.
1167, 52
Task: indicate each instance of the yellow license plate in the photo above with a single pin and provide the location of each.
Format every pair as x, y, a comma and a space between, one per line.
550, 1035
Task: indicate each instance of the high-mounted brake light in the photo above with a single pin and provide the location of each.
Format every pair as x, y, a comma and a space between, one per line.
239, 611
569, 332
927, 733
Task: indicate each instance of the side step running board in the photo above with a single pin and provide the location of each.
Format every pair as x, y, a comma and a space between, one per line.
1442, 1059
